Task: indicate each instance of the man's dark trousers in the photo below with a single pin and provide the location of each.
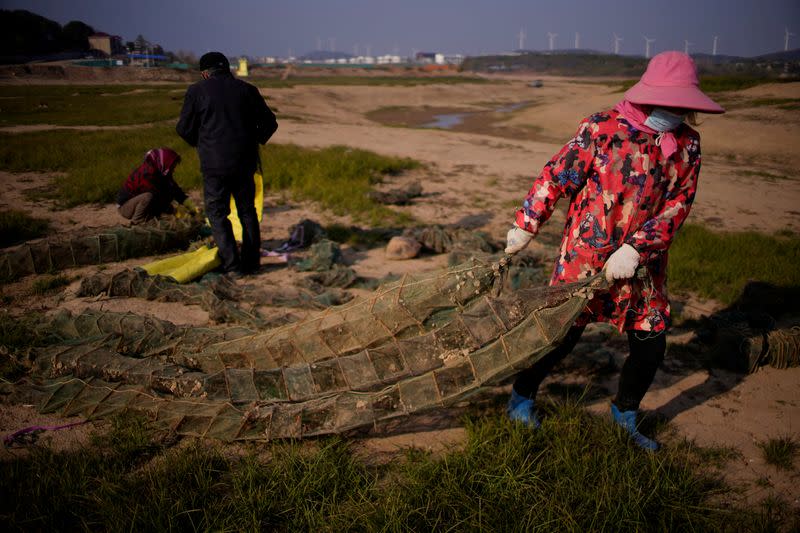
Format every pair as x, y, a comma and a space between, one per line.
217, 196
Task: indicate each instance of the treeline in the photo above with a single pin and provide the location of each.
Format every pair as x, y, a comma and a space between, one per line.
26, 36
559, 64
23, 33
596, 64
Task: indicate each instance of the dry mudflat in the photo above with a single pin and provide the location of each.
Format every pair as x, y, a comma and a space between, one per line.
475, 175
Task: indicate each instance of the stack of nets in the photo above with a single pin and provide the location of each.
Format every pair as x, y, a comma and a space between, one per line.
219, 295
422, 342
103, 246
761, 328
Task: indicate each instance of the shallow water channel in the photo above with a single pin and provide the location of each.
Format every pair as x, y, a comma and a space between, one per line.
451, 120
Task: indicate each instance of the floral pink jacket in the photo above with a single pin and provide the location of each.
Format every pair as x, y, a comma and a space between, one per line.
621, 190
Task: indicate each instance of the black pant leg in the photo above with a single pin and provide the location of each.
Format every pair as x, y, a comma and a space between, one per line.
217, 200
646, 354
244, 193
528, 381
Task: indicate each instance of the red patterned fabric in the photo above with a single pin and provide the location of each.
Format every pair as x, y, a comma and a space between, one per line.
154, 175
621, 189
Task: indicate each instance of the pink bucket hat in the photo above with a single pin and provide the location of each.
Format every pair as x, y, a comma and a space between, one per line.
671, 81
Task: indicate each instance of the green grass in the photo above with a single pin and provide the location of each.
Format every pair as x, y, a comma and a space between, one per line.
99, 105
18, 226
718, 265
577, 473
360, 237
49, 284
337, 177
783, 103
769, 176
370, 81
95, 163
780, 452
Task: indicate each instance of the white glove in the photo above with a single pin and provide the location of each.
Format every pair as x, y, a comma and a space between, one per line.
517, 239
622, 263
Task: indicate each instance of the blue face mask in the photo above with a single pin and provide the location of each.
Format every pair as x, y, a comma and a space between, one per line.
662, 120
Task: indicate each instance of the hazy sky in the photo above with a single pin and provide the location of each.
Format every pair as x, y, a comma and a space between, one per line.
274, 27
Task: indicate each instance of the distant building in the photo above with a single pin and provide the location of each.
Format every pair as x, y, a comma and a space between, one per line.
438, 58
108, 44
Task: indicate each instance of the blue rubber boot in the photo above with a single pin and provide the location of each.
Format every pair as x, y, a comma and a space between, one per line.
522, 409
627, 420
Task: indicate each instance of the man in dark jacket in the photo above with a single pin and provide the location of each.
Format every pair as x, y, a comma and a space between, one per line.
226, 119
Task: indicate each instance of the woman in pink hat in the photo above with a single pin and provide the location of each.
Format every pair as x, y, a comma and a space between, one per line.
630, 174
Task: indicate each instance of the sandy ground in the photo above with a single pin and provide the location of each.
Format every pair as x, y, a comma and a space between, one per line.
477, 179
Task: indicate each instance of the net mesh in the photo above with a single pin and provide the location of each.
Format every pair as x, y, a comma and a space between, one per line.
419, 343
109, 245
225, 300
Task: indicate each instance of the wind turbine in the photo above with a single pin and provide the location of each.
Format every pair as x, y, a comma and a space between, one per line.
577, 40
617, 40
786, 36
552, 38
714, 48
521, 37
686, 45
647, 46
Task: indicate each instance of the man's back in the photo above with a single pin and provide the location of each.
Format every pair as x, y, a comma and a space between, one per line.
226, 119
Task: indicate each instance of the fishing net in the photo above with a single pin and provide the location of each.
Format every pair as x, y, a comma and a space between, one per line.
762, 327
225, 300
400, 196
104, 246
440, 239
421, 342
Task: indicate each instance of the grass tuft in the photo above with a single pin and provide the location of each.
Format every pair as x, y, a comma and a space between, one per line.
718, 265
48, 284
18, 226
780, 452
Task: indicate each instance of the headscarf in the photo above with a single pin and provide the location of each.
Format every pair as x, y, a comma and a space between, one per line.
162, 159
635, 115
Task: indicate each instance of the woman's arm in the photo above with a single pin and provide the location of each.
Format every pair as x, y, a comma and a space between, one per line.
563, 175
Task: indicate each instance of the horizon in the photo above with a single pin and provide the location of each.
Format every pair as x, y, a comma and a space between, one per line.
467, 27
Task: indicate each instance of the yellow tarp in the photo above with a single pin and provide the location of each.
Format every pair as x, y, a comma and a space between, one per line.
186, 267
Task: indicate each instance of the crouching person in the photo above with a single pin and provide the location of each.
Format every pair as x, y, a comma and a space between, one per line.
150, 189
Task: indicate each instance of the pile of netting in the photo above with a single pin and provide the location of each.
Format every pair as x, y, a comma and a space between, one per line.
421, 342
762, 327
224, 300
98, 246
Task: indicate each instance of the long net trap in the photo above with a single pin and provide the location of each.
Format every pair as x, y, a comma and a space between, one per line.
99, 246
421, 342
